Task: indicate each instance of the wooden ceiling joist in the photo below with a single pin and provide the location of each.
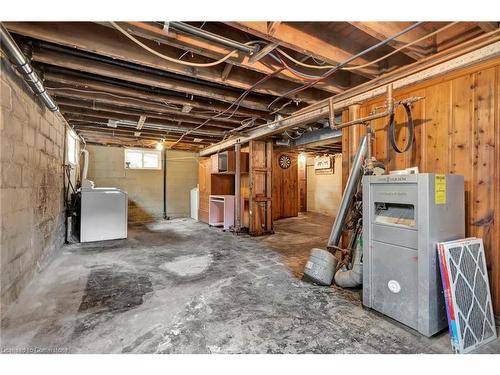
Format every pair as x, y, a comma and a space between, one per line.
64, 80
215, 51
84, 114
112, 44
292, 36
383, 30
107, 70
130, 106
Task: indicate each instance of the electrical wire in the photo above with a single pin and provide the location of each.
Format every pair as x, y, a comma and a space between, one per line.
171, 59
237, 102
345, 62
114, 95
357, 67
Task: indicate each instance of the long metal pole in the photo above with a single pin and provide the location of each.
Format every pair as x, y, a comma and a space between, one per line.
165, 184
22, 63
181, 26
237, 188
350, 190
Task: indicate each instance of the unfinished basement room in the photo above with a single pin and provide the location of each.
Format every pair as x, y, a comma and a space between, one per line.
250, 187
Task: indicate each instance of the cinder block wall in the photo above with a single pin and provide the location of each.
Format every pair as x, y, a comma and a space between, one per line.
31, 190
145, 187
324, 192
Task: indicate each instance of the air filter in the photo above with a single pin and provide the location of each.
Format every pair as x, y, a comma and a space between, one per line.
467, 294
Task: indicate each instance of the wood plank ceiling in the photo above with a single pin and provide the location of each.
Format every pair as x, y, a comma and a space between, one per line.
104, 82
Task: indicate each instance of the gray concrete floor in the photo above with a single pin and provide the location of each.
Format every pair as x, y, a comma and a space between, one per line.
181, 287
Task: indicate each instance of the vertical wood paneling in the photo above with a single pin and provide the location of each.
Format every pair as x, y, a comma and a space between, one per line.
482, 213
285, 187
456, 131
461, 136
495, 253
437, 114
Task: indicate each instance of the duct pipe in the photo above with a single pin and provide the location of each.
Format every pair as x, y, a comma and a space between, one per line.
351, 187
23, 65
188, 29
354, 277
85, 164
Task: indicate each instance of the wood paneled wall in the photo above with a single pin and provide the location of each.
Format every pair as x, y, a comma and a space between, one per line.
456, 131
285, 187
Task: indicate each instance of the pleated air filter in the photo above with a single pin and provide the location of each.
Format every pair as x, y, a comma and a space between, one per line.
467, 294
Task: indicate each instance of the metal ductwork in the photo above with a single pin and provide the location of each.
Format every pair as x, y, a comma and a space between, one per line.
19, 59
350, 190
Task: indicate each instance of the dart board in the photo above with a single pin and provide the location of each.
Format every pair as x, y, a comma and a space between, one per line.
285, 161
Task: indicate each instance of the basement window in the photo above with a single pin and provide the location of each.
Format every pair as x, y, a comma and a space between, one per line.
72, 147
142, 159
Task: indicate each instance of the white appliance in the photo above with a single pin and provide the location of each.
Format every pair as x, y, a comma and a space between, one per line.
103, 211
194, 202
103, 214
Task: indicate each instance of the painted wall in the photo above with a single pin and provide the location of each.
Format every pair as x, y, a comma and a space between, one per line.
324, 192
145, 187
31, 190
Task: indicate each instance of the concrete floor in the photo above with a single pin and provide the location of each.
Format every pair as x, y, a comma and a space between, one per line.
181, 287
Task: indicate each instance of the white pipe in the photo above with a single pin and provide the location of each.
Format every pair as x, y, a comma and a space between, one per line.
85, 164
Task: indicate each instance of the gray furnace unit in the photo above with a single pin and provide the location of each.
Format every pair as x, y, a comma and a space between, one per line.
404, 217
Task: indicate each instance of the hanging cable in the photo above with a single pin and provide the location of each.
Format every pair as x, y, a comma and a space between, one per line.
345, 62
171, 59
371, 62
237, 102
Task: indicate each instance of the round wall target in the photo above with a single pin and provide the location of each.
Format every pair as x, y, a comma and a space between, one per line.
285, 161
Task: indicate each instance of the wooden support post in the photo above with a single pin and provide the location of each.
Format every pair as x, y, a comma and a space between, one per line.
260, 175
269, 186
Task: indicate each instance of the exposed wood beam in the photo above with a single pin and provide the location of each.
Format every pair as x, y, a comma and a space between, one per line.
125, 140
145, 133
383, 30
67, 80
110, 113
462, 56
263, 52
151, 110
290, 35
272, 26
143, 78
113, 44
488, 26
215, 51
225, 72
94, 106
88, 97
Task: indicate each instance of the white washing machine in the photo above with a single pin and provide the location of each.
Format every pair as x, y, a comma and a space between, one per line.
104, 214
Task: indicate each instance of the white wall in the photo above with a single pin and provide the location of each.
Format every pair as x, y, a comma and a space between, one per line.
324, 192
145, 187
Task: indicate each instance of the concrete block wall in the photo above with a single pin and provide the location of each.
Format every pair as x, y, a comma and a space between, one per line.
31, 188
145, 187
324, 192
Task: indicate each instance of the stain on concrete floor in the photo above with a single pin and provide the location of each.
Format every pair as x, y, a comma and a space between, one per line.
181, 287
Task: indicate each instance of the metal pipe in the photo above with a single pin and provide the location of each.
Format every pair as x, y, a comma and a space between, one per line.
196, 31
23, 65
165, 184
237, 188
350, 190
